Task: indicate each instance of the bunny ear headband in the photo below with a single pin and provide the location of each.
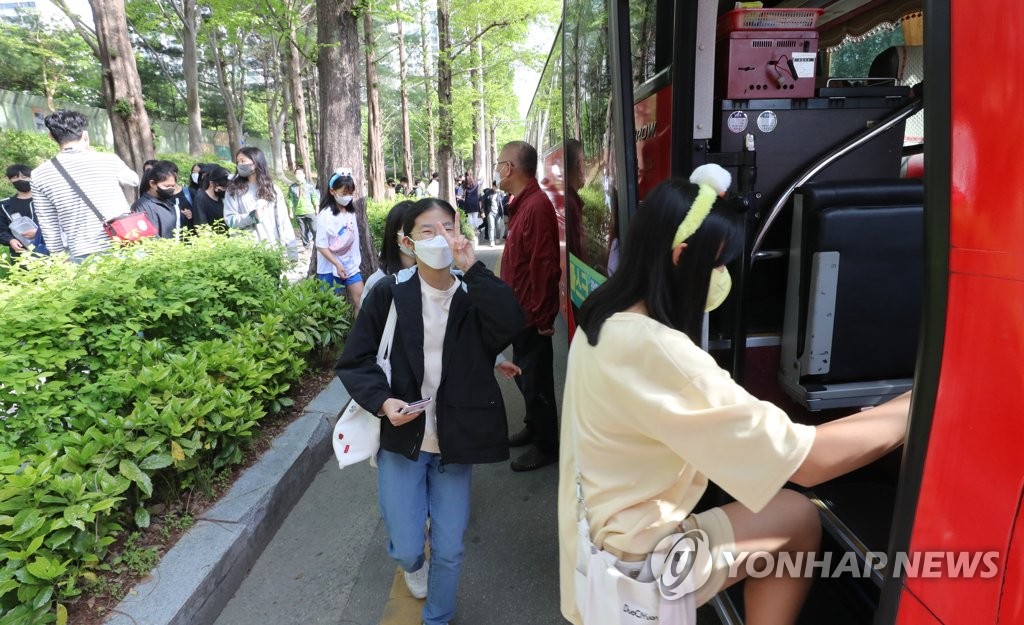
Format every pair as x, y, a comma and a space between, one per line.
713, 181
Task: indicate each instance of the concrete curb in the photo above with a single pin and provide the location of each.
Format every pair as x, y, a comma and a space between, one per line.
199, 575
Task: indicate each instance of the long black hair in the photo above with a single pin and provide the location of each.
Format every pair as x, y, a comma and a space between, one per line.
422, 206
336, 183
674, 294
261, 176
390, 253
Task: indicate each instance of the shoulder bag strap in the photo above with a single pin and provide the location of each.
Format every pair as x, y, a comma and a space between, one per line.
388, 338
77, 189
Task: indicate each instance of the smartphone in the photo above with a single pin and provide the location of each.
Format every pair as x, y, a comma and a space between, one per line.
416, 406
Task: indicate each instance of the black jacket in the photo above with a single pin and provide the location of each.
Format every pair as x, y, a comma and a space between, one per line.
482, 321
160, 212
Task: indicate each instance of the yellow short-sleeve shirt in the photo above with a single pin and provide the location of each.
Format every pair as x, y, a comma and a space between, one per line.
654, 418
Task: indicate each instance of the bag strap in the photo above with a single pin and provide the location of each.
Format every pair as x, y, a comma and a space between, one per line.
388, 338
77, 189
582, 511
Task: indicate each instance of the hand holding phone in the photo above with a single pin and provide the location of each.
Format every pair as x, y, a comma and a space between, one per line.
416, 406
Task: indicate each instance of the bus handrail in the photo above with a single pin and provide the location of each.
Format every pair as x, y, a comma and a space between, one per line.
904, 113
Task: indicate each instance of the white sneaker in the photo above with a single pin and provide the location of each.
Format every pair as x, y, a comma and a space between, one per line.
416, 581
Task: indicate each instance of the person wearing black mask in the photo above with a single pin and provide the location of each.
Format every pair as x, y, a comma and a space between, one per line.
209, 203
182, 199
159, 188
19, 229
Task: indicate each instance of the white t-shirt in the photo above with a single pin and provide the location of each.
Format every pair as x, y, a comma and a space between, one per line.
433, 188
329, 223
435, 322
656, 418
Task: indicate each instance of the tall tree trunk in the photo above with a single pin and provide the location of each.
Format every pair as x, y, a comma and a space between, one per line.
286, 103
444, 99
425, 51
226, 91
129, 121
341, 141
374, 147
275, 112
298, 102
481, 165
404, 89
311, 83
190, 66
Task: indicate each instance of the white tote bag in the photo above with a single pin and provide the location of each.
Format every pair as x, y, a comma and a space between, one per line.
608, 594
357, 434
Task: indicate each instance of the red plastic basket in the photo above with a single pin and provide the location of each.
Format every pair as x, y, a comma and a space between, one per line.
769, 19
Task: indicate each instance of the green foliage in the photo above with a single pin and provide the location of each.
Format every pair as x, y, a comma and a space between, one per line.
376, 214
853, 58
46, 58
137, 368
27, 148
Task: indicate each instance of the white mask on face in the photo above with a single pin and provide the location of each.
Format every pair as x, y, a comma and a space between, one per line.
343, 200
434, 252
405, 249
195, 178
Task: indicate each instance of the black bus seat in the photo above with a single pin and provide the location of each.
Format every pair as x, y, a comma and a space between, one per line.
853, 292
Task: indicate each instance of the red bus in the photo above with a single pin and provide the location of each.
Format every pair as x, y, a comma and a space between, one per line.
867, 272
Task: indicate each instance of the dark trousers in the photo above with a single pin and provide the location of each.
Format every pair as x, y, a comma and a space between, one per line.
534, 355
307, 231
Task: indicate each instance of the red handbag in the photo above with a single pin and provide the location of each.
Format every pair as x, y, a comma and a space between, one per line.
130, 228
126, 228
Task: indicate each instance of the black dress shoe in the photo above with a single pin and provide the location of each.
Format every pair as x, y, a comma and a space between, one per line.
520, 438
533, 459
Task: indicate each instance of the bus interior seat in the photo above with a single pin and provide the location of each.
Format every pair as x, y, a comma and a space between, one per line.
853, 292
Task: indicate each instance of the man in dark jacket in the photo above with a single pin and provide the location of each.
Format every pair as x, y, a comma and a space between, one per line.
530, 266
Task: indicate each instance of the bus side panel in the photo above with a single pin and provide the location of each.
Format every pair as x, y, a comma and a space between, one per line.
552, 182
653, 117
913, 613
973, 472
972, 475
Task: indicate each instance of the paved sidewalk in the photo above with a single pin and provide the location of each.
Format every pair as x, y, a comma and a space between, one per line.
328, 564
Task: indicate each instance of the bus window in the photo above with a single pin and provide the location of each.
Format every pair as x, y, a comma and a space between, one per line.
650, 27
888, 51
590, 137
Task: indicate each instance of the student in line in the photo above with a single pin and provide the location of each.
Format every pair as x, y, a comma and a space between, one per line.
448, 334
337, 241
649, 417
254, 204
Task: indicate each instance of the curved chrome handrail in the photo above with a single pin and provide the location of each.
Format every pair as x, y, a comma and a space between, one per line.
904, 113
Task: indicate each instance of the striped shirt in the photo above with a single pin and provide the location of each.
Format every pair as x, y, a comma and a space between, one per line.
59, 208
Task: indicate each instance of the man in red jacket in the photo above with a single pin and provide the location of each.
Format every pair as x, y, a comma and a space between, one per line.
530, 266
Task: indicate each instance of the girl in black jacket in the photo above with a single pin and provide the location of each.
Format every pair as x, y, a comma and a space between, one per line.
448, 334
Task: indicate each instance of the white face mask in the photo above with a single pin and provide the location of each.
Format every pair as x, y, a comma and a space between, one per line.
195, 178
405, 249
434, 252
343, 200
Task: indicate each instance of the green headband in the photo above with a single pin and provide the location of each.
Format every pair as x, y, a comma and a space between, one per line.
699, 210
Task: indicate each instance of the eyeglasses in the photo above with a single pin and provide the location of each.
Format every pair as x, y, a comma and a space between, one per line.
500, 163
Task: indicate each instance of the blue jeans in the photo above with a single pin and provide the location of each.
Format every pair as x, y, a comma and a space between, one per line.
409, 492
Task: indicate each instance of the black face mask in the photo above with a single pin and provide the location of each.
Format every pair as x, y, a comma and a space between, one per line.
23, 186
220, 192
164, 194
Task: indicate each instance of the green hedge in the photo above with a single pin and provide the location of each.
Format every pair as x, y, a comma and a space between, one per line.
32, 148
377, 214
146, 366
